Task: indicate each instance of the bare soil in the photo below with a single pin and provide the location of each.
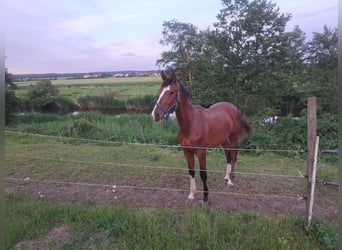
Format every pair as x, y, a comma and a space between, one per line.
260, 195
53, 240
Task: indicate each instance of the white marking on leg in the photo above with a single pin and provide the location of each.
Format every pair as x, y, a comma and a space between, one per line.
227, 177
160, 97
192, 188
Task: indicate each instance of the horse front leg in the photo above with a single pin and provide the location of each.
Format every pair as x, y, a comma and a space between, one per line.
189, 155
201, 154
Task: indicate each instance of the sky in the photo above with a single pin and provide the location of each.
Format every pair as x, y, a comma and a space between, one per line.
75, 36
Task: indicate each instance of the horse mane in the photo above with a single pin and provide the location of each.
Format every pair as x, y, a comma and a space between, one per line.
186, 93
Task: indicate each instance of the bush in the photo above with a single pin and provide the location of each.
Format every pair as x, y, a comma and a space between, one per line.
82, 128
291, 133
10, 99
41, 97
10, 104
327, 130
141, 104
65, 104
288, 134
105, 103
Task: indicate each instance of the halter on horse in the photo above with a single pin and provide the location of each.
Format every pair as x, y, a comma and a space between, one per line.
199, 128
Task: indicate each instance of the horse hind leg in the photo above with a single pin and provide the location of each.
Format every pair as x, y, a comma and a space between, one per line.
228, 152
234, 138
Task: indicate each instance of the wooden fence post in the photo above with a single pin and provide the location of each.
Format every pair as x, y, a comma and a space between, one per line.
311, 144
311, 195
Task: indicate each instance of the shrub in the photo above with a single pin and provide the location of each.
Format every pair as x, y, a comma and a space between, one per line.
65, 104
327, 130
141, 104
82, 128
287, 133
10, 99
42, 96
10, 104
105, 103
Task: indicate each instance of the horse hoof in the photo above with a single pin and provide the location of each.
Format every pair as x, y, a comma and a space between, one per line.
204, 203
230, 183
191, 197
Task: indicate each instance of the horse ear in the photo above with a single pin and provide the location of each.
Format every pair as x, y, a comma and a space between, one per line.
173, 76
163, 76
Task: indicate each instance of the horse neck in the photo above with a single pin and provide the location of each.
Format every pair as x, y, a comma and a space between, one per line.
184, 113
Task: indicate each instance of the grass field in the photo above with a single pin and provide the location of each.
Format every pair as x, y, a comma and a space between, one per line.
108, 227
74, 88
74, 160
117, 182
33, 218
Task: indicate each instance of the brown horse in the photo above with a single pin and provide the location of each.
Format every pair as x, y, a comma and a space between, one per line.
199, 128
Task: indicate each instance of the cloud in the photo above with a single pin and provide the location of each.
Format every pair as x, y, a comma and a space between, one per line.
90, 23
49, 36
86, 35
128, 54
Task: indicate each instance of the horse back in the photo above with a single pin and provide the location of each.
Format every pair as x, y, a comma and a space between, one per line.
211, 126
226, 113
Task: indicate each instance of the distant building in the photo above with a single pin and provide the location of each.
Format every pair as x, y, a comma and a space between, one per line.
91, 75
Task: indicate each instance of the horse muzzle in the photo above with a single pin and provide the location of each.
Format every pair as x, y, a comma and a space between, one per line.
156, 116
159, 112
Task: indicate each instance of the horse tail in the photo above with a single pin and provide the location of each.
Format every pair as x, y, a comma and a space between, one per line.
246, 127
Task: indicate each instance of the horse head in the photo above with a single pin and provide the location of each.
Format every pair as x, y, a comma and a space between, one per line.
168, 98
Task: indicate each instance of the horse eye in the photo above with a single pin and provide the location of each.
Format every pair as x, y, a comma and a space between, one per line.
171, 93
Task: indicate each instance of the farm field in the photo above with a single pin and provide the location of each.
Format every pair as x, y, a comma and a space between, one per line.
104, 195
95, 181
73, 88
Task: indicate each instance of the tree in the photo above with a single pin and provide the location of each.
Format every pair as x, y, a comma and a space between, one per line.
322, 69
250, 41
250, 60
9, 81
182, 37
291, 75
323, 49
42, 96
10, 98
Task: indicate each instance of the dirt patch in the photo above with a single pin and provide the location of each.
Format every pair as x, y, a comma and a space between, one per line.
53, 240
261, 195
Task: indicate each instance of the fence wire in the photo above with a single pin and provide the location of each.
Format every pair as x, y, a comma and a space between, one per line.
115, 187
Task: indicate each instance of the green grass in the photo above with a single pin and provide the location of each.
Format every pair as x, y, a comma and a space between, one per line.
115, 227
112, 131
128, 128
75, 88
122, 157
25, 157
140, 128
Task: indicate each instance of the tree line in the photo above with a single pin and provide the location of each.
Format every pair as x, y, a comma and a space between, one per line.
249, 59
